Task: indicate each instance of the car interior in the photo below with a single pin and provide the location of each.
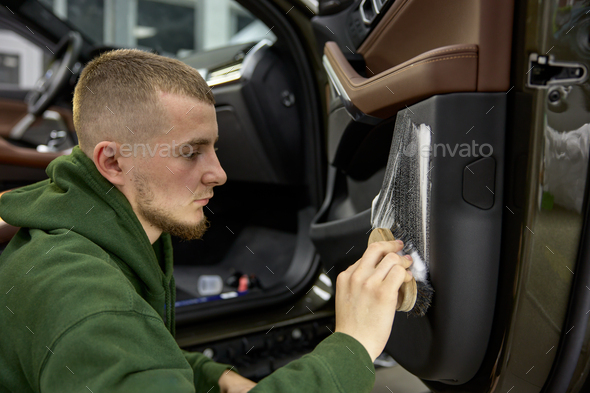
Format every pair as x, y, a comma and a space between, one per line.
266, 216
306, 120
444, 76
257, 252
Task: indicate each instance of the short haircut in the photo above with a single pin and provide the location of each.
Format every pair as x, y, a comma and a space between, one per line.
116, 98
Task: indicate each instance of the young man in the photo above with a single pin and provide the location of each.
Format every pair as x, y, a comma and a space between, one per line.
88, 286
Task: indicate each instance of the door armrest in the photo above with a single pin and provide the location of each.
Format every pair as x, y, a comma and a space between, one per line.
448, 69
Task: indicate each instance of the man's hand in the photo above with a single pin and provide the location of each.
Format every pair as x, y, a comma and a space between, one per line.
231, 382
366, 295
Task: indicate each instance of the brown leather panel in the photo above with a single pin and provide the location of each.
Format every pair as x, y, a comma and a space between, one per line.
11, 111
443, 70
411, 27
10, 154
495, 35
7, 231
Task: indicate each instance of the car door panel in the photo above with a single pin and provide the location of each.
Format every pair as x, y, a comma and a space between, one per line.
412, 27
261, 114
13, 110
261, 148
445, 65
20, 162
449, 343
21, 156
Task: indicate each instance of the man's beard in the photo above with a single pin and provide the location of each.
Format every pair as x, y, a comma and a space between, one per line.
160, 218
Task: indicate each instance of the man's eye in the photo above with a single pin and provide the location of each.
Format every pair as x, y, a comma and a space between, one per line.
189, 153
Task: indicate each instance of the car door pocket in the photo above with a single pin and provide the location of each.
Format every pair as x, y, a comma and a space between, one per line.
340, 229
356, 148
341, 242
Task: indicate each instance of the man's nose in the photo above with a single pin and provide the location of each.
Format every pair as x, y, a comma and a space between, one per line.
215, 175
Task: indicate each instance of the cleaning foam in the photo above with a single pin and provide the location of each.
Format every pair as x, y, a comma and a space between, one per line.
403, 203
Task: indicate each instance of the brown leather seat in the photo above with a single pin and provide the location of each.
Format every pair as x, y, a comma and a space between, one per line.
22, 156
7, 231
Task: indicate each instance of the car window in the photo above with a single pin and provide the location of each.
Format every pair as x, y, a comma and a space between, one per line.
176, 28
21, 62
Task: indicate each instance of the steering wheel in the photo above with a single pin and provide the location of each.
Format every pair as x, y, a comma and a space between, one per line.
50, 84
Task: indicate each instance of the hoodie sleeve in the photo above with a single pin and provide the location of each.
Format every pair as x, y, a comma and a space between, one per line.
126, 351
339, 364
206, 371
116, 351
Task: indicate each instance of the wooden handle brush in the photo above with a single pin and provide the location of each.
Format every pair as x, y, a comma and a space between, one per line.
408, 292
405, 214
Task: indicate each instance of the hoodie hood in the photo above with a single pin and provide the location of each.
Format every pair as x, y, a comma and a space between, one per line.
77, 197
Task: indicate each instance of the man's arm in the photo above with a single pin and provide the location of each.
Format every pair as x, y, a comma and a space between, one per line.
209, 374
367, 292
231, 382
338, 364
116, 351
366, 299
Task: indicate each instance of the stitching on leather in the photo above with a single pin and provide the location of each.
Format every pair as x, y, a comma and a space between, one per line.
455, 49
470, 48
405, 69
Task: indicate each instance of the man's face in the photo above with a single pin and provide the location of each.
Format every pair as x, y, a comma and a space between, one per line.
172, 181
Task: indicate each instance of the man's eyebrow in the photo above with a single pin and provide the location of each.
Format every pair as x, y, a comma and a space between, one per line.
199, 141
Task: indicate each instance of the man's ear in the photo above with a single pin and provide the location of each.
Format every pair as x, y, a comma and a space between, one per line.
109, 162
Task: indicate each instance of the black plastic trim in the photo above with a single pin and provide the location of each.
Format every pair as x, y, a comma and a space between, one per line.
37, 17
314, 172
308, 84
346, 27
304, 267
450, 342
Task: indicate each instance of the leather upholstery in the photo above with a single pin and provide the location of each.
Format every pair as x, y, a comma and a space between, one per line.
14, 155
443, 70
12, 111
412, 27
7, 231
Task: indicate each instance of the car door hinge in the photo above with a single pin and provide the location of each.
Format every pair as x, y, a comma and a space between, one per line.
544, 71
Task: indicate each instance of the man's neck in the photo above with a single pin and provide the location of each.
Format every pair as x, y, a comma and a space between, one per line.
152, 232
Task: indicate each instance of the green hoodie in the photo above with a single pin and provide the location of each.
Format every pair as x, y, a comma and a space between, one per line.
88, 301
